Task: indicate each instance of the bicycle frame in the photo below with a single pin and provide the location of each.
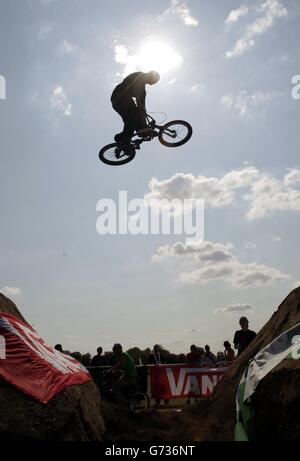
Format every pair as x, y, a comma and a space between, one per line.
152, 123
136, 143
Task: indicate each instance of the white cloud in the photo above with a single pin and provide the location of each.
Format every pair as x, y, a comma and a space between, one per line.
60, 102
269, 195
235, 15
238, 308
264, 194
217, 263
246, 104
67, 47
216, 192
197, 251
292, 178
181, 9
10, 291
272, 10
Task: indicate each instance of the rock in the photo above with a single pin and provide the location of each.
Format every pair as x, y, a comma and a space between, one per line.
75, 414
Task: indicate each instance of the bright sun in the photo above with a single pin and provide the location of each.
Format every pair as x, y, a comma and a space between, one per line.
158, 56
151, 55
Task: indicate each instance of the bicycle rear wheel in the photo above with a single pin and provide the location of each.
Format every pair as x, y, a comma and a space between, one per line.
114, 155
139, 402
176, 133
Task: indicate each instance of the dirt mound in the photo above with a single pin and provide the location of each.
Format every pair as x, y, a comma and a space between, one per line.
73, 414
277, 404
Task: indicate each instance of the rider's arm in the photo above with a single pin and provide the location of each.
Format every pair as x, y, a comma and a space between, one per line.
236, 340
141, 98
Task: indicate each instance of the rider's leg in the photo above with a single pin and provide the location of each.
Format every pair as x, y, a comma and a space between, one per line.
140, 119
143, 129
126, 108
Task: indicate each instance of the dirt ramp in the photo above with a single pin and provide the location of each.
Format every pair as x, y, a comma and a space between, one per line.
277, 404
74, 414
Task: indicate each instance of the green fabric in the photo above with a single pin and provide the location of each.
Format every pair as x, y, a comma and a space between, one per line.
240, 435
129, 366
286, 345
244, 430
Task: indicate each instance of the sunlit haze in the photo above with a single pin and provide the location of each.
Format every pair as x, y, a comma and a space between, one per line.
152, 54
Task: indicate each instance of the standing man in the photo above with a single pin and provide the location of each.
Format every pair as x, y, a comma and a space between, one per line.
157, 358
98, 360
244, 336
194, 357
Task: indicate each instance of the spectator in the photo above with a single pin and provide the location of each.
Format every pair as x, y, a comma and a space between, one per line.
221, 358
98, 360
86, 360
59, 348
209, 358
194, 357
243, 337
157, 358
181, 358
229, 352
123, 364
77, 356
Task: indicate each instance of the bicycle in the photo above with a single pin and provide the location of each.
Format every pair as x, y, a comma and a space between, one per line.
172, 134
132, 396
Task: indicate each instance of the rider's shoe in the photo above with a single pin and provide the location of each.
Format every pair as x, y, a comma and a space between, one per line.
119, 137
127, 149
145, 132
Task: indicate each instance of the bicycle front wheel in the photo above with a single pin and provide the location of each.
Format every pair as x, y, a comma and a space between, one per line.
176, 133
139, 402
114, 155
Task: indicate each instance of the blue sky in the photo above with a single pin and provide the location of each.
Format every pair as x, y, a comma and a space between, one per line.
227, 71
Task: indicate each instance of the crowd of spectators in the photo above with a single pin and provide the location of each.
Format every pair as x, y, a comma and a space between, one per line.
159, 355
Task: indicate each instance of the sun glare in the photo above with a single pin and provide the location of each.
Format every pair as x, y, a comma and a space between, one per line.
152, 55
158, 56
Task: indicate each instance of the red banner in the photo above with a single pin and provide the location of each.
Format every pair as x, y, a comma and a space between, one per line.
29, 364
178, 381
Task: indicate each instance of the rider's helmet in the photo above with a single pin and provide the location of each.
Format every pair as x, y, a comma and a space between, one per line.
153, 77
